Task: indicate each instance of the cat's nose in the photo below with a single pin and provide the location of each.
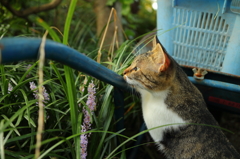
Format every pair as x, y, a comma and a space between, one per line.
125, 71
125, 74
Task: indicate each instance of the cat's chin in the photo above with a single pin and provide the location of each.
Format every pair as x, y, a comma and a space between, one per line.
129, 81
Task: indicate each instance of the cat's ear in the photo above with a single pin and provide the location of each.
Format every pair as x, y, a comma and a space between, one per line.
160, 58
155, 41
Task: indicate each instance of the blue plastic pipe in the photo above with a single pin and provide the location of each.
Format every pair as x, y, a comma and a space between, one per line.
20, 49
216, 84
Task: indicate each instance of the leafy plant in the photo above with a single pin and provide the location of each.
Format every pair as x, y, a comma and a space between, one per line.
63, 115
66, 109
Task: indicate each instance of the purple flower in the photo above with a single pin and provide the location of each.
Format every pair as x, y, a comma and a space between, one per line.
33, 87
27, 68
91, 104
91, 97
10, 88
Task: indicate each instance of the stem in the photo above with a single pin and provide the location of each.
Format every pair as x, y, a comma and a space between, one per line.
41, 98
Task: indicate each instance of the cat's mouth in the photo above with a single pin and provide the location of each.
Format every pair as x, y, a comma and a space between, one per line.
128, 80
134, 84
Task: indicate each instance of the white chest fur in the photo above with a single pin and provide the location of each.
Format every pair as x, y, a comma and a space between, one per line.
156, 113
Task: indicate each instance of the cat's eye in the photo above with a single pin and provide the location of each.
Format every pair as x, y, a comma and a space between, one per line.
135, 68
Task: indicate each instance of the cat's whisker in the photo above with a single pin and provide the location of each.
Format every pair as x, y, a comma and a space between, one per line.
132, 90
132, 93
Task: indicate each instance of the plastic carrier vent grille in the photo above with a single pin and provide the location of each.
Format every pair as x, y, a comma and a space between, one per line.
200, 39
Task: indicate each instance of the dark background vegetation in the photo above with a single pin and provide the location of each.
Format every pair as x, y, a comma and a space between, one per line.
135, 17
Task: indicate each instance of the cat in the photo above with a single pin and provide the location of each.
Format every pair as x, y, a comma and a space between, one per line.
168, 97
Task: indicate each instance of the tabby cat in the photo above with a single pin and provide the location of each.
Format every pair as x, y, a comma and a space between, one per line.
168, 97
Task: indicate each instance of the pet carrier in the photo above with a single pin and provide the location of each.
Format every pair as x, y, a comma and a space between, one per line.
201, 33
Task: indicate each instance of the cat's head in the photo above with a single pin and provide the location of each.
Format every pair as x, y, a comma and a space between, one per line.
152, 71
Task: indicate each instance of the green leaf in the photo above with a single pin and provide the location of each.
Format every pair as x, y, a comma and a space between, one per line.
21, 137
72, 98
42, 23
110, 2
12, 118
109, 63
